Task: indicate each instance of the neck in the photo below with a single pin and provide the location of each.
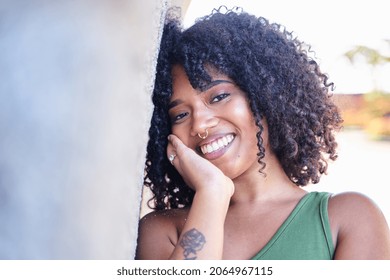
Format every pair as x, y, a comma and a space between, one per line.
253, 186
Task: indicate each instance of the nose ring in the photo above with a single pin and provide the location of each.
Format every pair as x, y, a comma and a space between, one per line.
205, 135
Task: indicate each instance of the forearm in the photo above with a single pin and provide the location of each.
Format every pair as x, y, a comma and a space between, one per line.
203, 233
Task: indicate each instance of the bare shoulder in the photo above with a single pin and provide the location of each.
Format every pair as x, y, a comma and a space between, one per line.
352, 209
158, 233
359, 226
352, 201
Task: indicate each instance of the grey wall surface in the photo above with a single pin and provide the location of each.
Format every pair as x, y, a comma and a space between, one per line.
75, 81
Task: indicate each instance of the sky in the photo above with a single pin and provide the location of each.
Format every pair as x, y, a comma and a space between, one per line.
332, 28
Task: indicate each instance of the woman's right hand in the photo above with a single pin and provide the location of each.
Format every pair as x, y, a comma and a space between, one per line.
203, 233
197, 172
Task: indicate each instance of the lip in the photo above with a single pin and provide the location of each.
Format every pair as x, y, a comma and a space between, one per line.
218, 153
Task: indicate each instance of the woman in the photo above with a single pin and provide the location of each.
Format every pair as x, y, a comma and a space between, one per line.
243, 120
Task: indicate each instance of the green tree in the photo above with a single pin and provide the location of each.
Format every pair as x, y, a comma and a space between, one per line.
377, 102
372, 57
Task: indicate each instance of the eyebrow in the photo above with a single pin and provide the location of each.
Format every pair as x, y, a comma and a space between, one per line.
214, 83
207, 87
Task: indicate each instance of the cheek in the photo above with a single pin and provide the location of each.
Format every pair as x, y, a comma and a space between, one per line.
241, 109
244, 115
248, 130
182, 133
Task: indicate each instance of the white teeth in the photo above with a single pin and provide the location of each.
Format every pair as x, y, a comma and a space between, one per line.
225, 141
217, 144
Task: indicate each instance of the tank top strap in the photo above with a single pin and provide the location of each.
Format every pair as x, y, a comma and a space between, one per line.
305, 234
324, 201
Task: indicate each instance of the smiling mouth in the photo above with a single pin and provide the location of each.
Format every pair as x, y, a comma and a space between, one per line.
217, 144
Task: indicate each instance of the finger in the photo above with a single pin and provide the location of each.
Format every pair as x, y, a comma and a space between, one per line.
176, 149
177, 145
174, 140
184, 155
171, 153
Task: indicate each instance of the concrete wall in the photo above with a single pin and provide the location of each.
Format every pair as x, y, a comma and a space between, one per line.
75, 81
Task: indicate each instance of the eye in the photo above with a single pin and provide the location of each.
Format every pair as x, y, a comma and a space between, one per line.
219, 97
179, 117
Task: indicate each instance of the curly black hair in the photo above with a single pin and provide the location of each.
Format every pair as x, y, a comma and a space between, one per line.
283, 84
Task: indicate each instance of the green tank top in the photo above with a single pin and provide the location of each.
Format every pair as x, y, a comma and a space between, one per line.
304, 235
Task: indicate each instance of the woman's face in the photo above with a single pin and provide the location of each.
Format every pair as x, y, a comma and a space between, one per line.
222, 109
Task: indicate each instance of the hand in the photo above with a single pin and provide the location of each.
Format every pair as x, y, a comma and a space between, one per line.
197, 172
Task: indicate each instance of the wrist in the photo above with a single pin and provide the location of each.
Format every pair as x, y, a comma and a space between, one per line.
214, 196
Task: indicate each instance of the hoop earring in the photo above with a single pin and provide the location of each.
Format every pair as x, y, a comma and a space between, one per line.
205, 135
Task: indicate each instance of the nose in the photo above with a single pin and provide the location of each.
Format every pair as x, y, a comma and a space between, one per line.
203, 118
